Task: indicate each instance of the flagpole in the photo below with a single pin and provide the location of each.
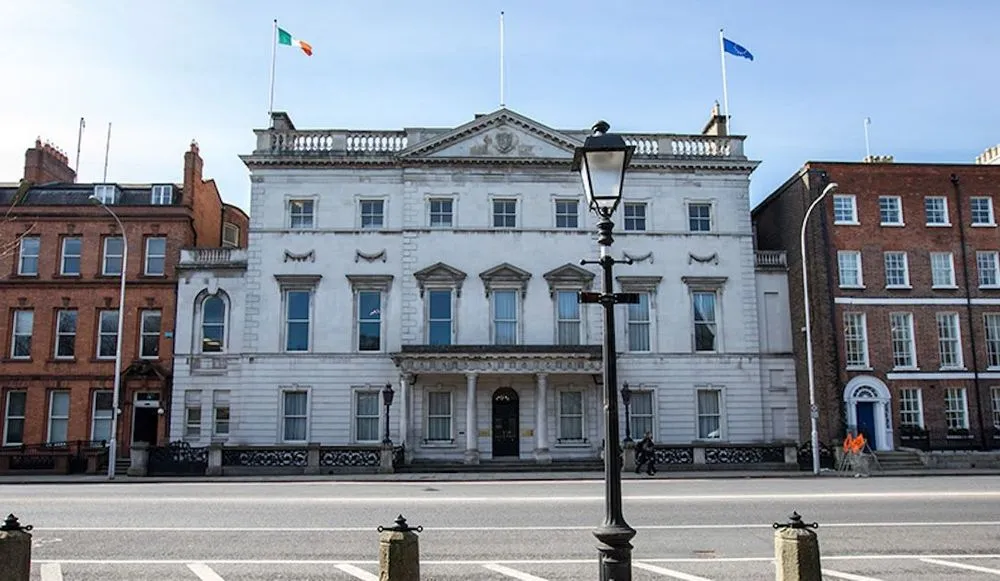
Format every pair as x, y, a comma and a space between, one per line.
501, 62
274, 55
868, 149
725, 88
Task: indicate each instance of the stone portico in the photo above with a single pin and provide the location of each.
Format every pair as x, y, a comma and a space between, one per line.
511, 397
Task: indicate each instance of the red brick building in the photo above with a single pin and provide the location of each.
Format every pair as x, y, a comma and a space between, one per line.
904, 283
60, 265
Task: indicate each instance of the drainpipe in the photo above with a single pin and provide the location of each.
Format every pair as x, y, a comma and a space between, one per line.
969, 314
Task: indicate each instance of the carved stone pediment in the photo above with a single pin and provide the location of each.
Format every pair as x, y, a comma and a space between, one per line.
440, 274
505, 275
568, 275
639, 283
380, 282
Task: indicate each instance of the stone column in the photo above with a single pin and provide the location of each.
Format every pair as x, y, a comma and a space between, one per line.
15, 551
471, 426
796, 551
405, 381
542, 455
214, 460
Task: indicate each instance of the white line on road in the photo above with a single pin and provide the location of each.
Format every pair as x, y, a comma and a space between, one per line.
847, 576
51, 572
512, 528
452, 500
204, 572
356, 572
669, 572
512, 572
962, 566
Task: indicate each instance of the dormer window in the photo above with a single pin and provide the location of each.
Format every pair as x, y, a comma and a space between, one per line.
106, 193
162, 195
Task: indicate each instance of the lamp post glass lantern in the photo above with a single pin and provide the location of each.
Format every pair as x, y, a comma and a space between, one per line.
113, 440
602, 161
387, 395
626, 400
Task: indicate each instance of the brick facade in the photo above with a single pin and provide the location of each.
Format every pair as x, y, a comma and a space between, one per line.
778, 220
49, 211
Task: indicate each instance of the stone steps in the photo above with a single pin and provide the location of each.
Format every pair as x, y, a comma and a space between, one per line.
493, 466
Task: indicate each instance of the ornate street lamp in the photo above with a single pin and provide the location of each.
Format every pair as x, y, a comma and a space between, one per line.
387, 395
626, 400
601, 162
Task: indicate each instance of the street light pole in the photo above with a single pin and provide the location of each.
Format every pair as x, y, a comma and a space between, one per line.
601, 162
626, 400
813, 409
387, 395
113, 443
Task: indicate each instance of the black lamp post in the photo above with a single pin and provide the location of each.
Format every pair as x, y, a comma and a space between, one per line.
387, 394
601, 162
626, 400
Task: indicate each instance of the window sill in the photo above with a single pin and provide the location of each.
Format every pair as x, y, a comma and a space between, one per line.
898, 287
914, 368
893, 224
966, 437
944, 287
989, 287
438, 444
858, 368
573, 444
153, 276
854, 223
17, 360
935, 225
102, 360
61, 360
66, 276
953, 369
853, 286
149, 357
991, 225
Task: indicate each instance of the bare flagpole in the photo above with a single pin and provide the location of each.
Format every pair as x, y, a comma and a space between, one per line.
501, 62
79, 141
868, 148
725, 87
274, 55
107, 149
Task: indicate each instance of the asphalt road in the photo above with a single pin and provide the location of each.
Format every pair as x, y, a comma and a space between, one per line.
912, 529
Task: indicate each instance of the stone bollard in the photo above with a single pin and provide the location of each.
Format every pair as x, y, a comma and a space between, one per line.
139, 459
796, 551
628, 456
398, 552
386, 453
15, 550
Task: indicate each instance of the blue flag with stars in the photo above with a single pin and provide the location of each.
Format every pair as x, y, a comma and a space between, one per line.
735, 49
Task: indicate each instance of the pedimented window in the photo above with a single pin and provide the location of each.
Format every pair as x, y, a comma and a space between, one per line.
505, 276
440, 275
568, 276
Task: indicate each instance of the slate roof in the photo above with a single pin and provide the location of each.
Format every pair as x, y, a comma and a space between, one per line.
78, 194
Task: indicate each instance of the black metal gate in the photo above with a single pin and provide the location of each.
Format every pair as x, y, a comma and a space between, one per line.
177, 459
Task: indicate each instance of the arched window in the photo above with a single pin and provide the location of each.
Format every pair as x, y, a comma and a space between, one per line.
213, 324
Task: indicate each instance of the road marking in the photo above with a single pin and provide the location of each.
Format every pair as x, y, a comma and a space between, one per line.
512, 572
204, 572
669, 572
513, 528
962, 566
356, 572
492, 500
51, 572
847, 576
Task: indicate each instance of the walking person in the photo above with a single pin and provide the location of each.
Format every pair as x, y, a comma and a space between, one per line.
645, 453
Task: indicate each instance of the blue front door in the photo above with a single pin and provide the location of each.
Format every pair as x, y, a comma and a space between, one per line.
866, 421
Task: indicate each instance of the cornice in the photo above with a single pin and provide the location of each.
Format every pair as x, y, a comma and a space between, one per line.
269, 162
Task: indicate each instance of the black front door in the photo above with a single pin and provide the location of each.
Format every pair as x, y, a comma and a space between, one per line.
144, 425
505, 424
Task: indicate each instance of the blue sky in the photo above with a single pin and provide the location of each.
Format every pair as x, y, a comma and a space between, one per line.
166, 72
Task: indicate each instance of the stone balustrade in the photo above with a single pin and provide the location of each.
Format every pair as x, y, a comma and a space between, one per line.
212, 257
771, 259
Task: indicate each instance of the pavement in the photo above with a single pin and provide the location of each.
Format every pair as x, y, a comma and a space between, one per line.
695, 529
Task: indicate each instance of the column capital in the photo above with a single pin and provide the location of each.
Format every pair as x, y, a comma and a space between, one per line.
471, 375
407, 378
541, 376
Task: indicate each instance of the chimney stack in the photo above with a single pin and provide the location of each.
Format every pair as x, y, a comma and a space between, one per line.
717, 124
46, 163
192, 173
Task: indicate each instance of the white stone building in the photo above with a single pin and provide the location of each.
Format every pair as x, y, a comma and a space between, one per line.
445, 262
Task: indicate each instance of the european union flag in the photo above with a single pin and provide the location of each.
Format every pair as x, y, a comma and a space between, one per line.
735, 49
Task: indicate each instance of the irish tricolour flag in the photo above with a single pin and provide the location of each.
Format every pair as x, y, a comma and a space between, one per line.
285, 38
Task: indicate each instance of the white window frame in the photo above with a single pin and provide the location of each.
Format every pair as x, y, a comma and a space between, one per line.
450, 214
959, 396
24, 254
573, 216
106, 193
716, 320
853, 221
59, 333
105, 256
144, 332
193, 403
230, 235
149, 254
891, 255
995, 399
842, 257
972, 212
450, 440
991, 270
630, 223
358, 320
721, 399
494, 214
222, 400
8, 418
949, 331
162, 195
452, 306
293, 204
104, 417
356, 416
927, 217
63, 255
563, 438
16, 332
991, 328
903, 322
200, 335
651, 416
950, 263
860, 343
285, 321
559, 321
898, 207
689, 205
906, 404
52, 418
100, 333
381, 215
518, 320
284, 417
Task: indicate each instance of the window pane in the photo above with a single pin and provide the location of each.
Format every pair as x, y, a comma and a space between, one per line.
295, 403
369, 317
440, 304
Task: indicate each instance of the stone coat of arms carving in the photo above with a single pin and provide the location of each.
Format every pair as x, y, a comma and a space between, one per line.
505, 141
